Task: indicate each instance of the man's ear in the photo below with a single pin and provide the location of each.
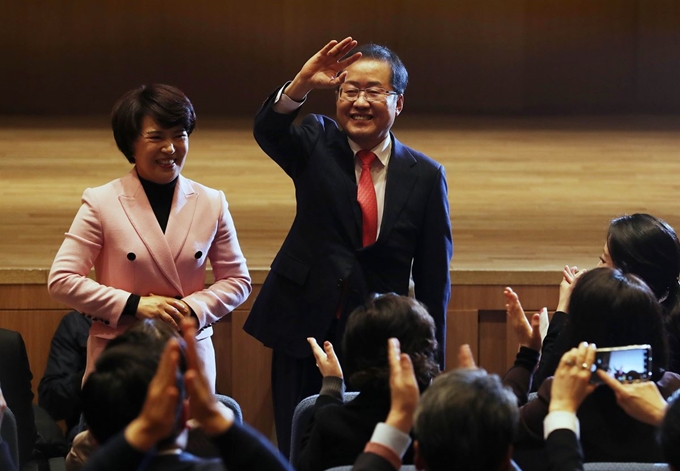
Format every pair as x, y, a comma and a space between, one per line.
399, 105
418, 460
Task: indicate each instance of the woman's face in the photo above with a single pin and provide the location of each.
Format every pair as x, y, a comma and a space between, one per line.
160, 153
605, 258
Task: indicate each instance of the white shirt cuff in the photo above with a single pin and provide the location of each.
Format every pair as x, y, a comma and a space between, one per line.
561, 420
284, 104
392, 438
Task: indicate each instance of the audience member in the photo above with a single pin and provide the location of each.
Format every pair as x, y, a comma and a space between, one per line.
466, 420
6, 461
15, 380
339, 431
152, 436
61, 385
639, 244
611, 309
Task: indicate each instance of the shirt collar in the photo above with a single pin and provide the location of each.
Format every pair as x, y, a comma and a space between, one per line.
382, 150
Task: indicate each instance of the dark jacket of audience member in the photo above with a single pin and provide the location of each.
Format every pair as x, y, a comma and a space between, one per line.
338, 432
61, 385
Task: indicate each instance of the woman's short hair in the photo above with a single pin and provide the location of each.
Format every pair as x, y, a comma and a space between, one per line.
165, 104
613, 309
371, 325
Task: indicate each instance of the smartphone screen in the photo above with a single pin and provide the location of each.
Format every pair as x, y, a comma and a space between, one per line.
625, 364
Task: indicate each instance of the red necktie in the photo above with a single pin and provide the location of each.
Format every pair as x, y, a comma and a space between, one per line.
366, 198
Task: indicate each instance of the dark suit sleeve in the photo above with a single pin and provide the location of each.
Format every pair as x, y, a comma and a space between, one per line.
243, 448
371, 462
431, 262
279, 139
60, 386
554, 346
564, 451
518, 378
6, 462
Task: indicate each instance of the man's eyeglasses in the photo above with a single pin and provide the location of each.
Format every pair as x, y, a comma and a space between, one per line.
371, 95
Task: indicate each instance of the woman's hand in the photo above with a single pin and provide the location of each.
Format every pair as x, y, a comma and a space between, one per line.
321, 70
571, 383
642, 401
326, 360
169, 310
528, 333
569, 276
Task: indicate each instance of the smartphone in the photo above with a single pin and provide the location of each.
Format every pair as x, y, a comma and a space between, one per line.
625, 364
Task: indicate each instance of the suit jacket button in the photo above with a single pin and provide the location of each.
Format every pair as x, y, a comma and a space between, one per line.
339, 282
198, 255
131, 256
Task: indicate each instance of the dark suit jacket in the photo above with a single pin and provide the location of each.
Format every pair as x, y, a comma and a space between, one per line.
322, 264
241, 448
564, 454
338, 433
15, 381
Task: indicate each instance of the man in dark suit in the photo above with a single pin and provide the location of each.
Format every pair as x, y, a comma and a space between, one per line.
372, 215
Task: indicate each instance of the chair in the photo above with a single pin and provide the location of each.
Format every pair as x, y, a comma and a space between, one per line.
626, 467
8, 431
405, 467
301, 417
233, 405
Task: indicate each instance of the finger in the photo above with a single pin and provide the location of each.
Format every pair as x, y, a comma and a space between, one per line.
189, 335
569, 358
330, 351
536, 322
317, 351
167, 318
182, 307
465, 357
327, 48
394, 355
609, 381
167, 367
173, 312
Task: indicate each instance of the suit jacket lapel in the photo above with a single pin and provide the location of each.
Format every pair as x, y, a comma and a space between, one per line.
181, 216
138, 210
342, 153
401, 178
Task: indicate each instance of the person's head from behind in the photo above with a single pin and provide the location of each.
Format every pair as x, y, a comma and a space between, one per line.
371, 325
670, 432
466, 420
113, 394
645, 246
151, 125
372, 96
613, 309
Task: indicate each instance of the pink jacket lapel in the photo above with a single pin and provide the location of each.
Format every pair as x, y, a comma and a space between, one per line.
138, 210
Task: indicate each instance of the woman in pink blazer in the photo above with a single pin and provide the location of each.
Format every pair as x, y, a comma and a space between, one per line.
150, 234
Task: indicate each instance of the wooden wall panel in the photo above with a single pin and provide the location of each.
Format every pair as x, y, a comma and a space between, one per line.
494, 56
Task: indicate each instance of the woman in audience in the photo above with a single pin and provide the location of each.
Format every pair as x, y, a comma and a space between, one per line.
640, 244
150, 234
339, 431
610, 309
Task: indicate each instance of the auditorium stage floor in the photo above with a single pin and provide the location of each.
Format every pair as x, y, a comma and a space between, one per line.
526, 194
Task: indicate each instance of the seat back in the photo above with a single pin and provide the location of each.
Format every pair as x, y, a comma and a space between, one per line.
9, 434
233, 405
301, 418
626, 467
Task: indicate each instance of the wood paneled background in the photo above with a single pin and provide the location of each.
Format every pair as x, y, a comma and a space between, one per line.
464, 56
